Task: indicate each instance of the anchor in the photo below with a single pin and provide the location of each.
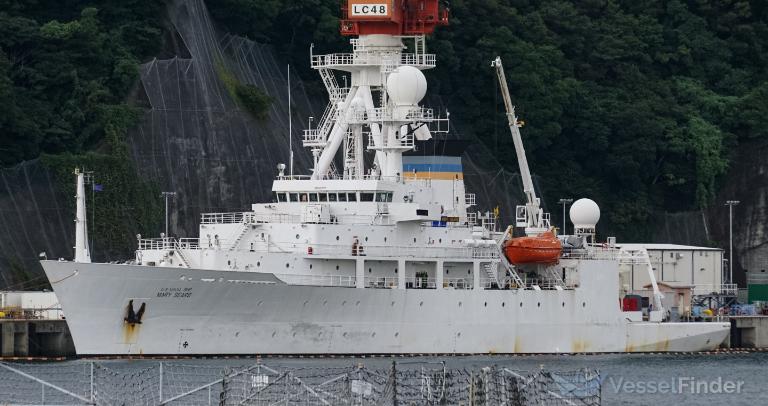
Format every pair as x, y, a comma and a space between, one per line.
135, 317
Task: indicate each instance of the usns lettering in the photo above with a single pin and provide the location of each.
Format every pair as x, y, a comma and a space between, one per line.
174, 292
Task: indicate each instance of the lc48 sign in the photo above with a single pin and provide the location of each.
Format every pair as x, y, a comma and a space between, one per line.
377, 10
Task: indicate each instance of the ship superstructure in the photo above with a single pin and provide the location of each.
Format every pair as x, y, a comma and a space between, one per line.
384, 253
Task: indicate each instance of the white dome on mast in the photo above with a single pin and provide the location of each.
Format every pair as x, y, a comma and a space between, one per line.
585, 214
406, 86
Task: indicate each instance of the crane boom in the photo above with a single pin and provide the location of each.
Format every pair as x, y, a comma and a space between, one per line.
534, 219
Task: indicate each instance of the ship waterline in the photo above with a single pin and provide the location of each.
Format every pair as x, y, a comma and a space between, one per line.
201, 312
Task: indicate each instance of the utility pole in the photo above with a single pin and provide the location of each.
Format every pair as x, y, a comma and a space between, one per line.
564, 202
730, 204
167, 195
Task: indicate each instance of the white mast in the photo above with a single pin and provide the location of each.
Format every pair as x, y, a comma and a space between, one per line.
534, 220
290, 123
82, 251
375, 58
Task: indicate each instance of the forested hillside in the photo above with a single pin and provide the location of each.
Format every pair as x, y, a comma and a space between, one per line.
637, 104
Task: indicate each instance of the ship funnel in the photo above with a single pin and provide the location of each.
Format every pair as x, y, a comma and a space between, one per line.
82, 251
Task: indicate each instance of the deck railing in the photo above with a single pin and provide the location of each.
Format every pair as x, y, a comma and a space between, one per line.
341, 250
373, 58
318, 280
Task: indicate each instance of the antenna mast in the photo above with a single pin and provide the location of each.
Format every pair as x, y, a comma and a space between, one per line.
290, 123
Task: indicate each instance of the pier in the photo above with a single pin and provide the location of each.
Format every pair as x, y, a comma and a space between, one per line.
35, 338
749, 332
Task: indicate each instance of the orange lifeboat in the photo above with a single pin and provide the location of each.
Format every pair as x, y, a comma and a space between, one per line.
544, 248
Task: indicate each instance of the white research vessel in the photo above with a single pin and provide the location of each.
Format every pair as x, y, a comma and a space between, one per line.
369, 259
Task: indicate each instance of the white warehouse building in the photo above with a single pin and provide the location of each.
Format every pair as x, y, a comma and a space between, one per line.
700, 268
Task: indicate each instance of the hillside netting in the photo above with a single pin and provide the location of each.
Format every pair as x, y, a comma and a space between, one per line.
199, 138
177, 383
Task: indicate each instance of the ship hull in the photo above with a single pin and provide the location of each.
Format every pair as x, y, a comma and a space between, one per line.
204, 312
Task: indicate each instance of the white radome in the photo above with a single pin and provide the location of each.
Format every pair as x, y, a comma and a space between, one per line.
585, 213
406, 86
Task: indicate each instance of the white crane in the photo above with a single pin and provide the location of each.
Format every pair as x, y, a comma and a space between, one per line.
530, 216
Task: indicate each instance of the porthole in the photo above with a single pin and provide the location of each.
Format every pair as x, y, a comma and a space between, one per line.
370, 270
297, 236
447, 271
421, 303
395, 270
357, 303
521, 304
538, 304
337, 267
503, 304
345, 334
337, 238
414, 239
373, 334
468, 272
393, 304
366, 238
287, 265
258, 263
229, 262
583, 304
563, 304
385, 239
458, 334
485, 304
459, 304
397, 334
310, 266
274, 333
440, 241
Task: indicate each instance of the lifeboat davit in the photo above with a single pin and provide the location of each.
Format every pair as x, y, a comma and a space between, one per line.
544, 248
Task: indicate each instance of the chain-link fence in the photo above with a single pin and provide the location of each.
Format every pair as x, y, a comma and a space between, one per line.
407, 383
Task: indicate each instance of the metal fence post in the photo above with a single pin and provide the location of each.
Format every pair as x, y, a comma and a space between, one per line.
161, 381
394, 383
93, 398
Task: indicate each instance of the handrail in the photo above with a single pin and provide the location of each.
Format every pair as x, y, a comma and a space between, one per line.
169, 243
373, 58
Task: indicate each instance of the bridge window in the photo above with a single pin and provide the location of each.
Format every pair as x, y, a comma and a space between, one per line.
304, 197
331, 197
352, 196
384, 197
313, 197
294, 197
366, 197
342, 197
324, 197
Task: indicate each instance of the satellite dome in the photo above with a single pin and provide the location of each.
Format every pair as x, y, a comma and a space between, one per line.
584, 213
406, 86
